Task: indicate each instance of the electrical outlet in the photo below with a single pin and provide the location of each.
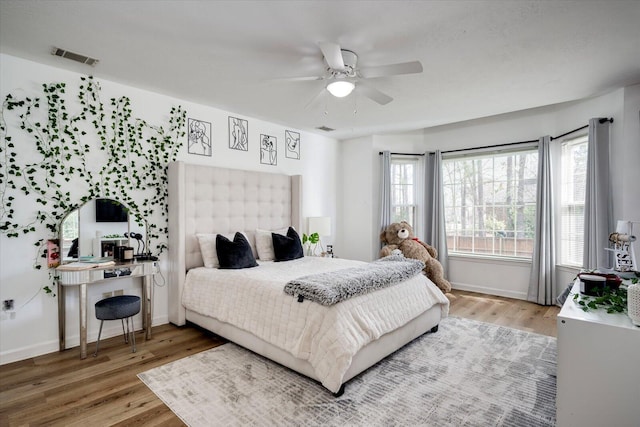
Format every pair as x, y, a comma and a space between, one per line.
118, 292
7, 305
106, 294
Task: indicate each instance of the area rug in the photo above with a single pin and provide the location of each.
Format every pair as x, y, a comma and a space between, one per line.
467, 374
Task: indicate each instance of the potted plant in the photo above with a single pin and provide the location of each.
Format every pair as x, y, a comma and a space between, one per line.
308, 240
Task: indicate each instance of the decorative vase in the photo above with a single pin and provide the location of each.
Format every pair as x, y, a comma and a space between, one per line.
633, 303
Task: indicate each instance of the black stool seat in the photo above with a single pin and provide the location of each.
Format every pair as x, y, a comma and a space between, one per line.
119, 307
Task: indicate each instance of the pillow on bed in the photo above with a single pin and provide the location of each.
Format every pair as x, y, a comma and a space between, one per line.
235, 254
208, 249
287, 248
264, 243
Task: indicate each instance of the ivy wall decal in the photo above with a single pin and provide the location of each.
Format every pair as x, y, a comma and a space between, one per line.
77, 156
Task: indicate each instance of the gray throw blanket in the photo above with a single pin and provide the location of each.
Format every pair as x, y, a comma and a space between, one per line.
335, 286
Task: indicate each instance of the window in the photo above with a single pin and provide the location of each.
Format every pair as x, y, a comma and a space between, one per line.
405, 172
489, 201
572, 196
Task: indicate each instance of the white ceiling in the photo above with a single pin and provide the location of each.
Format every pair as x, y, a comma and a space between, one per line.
480, 58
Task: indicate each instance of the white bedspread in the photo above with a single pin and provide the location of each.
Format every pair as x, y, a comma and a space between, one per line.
328, 337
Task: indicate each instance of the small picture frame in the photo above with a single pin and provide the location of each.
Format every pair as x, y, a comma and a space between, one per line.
268, 150
199, 137
53, 253
292, 144
238, 134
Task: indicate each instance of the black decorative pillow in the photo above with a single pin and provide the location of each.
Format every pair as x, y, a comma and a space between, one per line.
287, 248
236, 254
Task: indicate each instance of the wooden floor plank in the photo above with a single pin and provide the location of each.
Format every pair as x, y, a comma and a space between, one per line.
59, 389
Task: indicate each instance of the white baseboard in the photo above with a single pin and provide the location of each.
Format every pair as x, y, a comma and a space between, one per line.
18, 354
490, 291
113, 329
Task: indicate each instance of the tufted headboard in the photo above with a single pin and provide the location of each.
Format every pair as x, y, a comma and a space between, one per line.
206, 199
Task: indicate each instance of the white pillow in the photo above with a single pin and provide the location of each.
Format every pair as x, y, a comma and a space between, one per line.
208, 248
264, 243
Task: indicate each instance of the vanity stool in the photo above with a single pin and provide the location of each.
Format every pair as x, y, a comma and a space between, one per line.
122, 307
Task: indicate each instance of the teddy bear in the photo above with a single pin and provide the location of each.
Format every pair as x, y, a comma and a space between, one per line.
399, 236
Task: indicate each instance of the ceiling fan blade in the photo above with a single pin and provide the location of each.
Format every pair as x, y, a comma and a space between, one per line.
297, 79
374, 94
332, 54
392, 69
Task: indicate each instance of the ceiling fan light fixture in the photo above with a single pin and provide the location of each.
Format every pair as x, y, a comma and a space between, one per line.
340, 88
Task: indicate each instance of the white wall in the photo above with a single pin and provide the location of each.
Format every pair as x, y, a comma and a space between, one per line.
34, 328
626, 160
486, 275
354, 238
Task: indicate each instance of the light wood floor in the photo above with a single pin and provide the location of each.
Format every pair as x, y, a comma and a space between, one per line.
60, 389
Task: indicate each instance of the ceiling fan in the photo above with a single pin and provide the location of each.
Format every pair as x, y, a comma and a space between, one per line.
343, 74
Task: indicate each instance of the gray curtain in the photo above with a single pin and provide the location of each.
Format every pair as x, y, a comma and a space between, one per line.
385, 192
542, 281
435, 233
598, 221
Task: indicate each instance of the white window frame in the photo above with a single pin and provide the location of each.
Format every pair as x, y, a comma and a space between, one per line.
493, 242
570, 230
417, 192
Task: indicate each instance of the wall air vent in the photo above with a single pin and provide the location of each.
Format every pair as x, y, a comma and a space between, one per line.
74, 56
325, 128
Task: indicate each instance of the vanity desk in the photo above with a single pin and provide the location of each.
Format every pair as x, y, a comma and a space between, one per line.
89, 276
93, 222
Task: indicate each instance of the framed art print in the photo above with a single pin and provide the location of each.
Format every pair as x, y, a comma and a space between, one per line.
292, 144
238, 134
199, 137
268, 150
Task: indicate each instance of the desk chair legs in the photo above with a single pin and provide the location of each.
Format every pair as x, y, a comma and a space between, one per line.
124, 334
133, 335
122, 307
98, 342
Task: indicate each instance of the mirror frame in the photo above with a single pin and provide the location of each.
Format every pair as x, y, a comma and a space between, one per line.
132, 218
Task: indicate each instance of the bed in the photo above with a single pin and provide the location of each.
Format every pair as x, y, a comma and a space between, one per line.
213, 200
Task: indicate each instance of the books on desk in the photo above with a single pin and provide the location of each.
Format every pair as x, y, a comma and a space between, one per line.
87, 264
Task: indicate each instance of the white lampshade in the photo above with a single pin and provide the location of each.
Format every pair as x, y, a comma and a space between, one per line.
320, 225
340, 88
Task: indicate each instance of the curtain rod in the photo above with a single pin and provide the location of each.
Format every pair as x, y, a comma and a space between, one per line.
526, 142
403, 154
531, 141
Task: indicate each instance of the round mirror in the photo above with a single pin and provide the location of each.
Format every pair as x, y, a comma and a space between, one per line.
96, 228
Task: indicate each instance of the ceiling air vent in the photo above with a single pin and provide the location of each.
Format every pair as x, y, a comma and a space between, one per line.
74, 56
324, 128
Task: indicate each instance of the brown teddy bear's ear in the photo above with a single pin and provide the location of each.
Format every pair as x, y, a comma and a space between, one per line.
383, 236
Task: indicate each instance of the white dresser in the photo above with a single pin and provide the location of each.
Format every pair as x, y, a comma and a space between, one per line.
598, 368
